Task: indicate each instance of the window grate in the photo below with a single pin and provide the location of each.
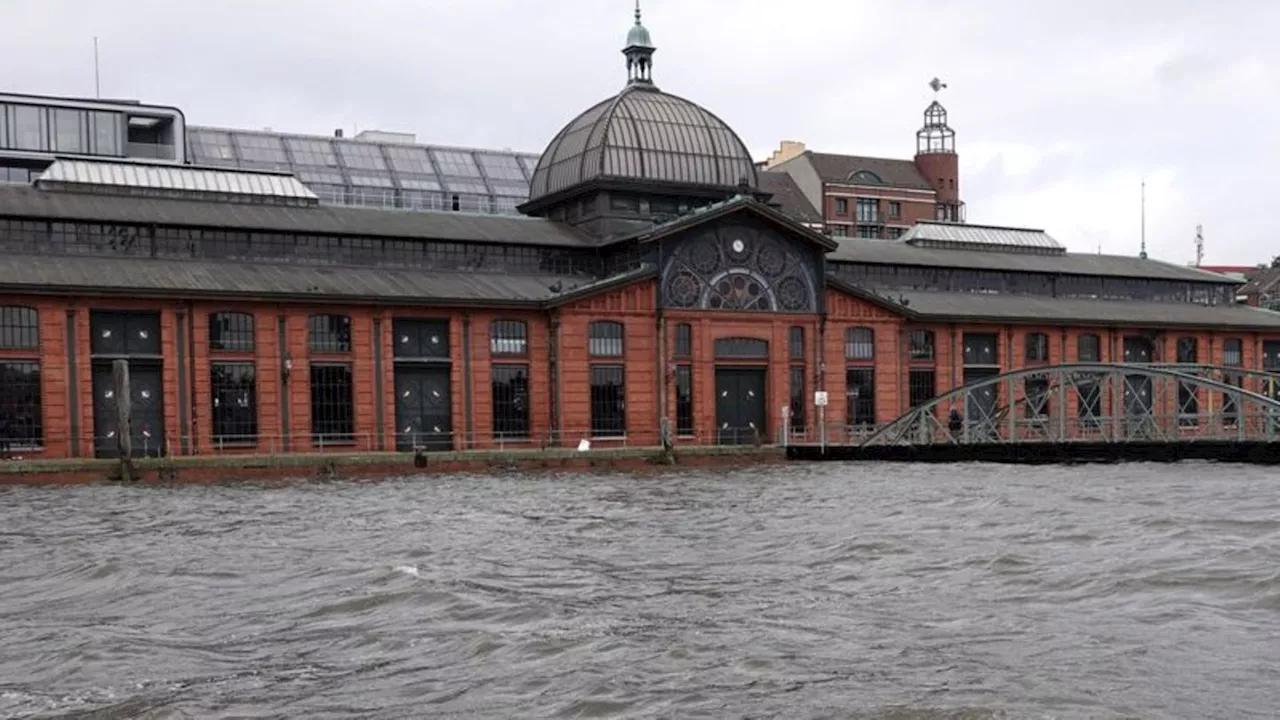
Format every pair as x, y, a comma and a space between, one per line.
797, 399
21, 419
684, 400
235, 405
921, 386
608, 401
332, 410
510, 401
860, 395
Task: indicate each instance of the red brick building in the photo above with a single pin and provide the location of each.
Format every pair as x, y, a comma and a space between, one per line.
873, 197
656, 287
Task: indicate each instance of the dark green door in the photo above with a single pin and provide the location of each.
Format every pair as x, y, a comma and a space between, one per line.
740, 408
147, 410
423, 408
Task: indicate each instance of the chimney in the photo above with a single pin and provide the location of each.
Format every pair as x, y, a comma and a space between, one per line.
337, 132
787, 150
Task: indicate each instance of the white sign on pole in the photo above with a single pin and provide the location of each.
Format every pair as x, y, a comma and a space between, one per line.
820, 398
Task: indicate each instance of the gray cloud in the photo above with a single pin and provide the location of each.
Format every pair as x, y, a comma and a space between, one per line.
1060, 108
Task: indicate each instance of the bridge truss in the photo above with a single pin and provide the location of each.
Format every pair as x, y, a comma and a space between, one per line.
1097, 402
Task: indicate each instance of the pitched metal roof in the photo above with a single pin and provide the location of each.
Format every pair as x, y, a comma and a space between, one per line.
28, 202
895, 252
971, 307
193, 182
789, 198
982, 237
145, 277
895, 173
726, 207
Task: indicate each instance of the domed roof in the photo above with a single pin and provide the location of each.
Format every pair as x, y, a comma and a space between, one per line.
644, 135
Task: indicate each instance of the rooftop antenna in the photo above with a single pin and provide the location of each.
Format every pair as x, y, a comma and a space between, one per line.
1143, 253
97, 78
1199, 245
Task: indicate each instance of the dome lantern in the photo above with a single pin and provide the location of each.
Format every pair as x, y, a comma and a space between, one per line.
639, 52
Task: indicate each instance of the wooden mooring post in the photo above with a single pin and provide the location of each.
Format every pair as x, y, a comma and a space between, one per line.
124, 413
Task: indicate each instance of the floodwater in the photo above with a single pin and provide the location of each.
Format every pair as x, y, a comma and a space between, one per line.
797, 591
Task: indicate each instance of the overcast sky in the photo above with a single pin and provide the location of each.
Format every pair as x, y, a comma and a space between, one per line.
1060, 108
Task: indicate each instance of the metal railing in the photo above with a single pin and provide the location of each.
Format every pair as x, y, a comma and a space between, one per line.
269, 444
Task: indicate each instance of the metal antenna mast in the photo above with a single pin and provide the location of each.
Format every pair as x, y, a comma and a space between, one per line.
1143, 253
97, 78
1199, 245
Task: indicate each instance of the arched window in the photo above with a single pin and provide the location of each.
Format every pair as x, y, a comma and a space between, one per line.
1037, 347
1187, 350
509, 337
865, 177
1088, 348
19, 328
231, 332
604, 339
920, 345
329, 333
860, 344
741, 348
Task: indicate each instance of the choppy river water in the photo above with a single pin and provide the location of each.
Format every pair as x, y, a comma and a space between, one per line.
866, 591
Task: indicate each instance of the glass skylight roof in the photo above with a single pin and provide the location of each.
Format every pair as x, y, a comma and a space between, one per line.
175, 181
413, 176
978, 237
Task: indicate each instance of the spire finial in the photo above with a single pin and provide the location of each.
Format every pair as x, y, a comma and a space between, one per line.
639, 52
937, 85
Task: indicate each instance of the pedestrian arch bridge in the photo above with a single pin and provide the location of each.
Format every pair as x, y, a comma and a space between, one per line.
1080, 405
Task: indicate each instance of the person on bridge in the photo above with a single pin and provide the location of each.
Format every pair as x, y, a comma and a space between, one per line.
955, 423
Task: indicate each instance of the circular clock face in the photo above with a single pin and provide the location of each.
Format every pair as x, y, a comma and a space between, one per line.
739, 246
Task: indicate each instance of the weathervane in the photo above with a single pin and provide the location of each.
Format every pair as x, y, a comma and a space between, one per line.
937, 86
